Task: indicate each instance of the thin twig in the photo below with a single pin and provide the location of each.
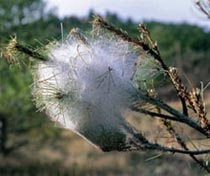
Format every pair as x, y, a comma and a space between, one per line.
174, 150
29, 52
182, 118
155, 114
14, 46
155, 48
202, 8
181, 142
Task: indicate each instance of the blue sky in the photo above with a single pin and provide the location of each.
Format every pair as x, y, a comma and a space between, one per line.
176, 11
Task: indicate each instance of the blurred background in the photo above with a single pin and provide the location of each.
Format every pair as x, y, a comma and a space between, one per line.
30, 144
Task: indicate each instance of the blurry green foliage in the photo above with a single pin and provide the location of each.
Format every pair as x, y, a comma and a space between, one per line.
183, 45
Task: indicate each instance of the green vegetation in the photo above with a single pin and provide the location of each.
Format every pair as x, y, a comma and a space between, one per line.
185, 46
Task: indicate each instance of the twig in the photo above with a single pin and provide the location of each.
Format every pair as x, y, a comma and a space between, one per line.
174, 150
123, 35
177, 114
181, 142
154, 45
172, 131
199, 107
15, 46
202, 8
30, 52
154, 114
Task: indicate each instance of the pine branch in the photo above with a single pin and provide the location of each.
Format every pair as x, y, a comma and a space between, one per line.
177, 115
14, 47
124, 36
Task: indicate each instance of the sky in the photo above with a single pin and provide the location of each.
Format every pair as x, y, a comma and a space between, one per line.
175, 11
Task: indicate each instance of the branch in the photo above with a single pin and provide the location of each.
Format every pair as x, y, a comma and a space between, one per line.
177, 115
154, 114
202, 8
14, 46
174, 150
172, 132
154, 45
29, 52
124, 36
181, 142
